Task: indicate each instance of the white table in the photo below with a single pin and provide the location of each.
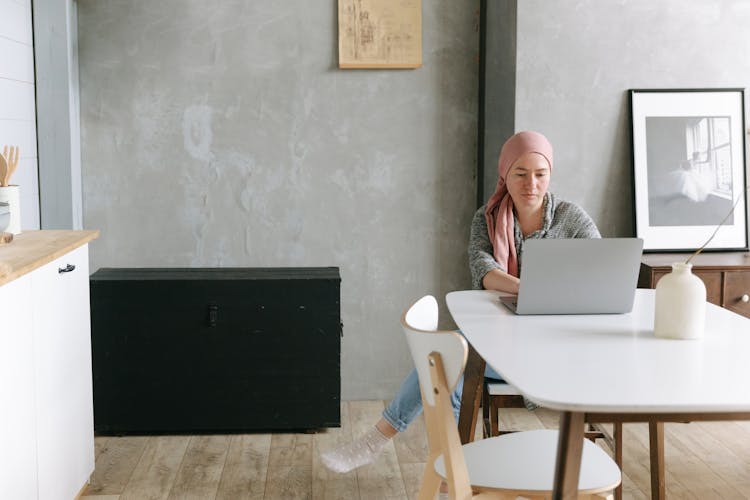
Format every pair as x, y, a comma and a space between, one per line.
610, 366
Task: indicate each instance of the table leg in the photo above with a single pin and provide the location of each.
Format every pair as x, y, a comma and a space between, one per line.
569, 451
471, 397
656, 447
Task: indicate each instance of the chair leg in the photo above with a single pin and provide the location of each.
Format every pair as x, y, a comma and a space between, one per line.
494, 419
430, 481
486, 403
617, 431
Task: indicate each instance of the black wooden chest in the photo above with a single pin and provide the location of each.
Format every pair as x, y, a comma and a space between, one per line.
215, 350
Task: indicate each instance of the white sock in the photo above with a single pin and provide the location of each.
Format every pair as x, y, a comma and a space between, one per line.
443, 495
359, 452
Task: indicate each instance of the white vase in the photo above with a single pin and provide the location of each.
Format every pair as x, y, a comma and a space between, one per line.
12, 196
680, 308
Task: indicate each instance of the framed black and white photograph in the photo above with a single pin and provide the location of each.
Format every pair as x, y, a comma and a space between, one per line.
689, 168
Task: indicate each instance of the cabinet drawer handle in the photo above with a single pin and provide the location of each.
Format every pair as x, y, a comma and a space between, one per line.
745, 298
68, 268
213, 314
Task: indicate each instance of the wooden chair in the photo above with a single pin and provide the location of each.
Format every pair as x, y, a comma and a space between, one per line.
507, 466
498, 394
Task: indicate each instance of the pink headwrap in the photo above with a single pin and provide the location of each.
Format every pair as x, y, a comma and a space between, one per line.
499, 209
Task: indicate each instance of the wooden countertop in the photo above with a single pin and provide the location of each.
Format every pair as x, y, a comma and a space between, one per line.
32, 249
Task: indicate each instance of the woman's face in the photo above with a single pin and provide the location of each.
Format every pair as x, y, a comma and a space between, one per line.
527, 181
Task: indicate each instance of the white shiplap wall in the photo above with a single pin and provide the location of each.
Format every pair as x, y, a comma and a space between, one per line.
17, 102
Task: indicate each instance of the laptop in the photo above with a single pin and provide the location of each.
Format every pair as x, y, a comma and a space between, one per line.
577, 276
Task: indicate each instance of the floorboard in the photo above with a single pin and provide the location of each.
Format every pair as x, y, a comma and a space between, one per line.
245, 469
703, 460
155, 474
115, 462
290, 467
200, 472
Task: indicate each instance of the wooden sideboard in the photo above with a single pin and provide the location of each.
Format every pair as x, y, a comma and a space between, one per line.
726, 275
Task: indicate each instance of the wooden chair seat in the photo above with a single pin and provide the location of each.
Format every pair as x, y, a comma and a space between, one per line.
523, 463
499, 394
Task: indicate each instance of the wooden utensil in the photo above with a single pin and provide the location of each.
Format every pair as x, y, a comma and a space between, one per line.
11, 158
3, 171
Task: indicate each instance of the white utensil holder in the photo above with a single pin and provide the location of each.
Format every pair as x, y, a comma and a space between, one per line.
12, 196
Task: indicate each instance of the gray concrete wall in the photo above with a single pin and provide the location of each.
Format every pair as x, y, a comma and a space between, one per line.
221, 133
577, 59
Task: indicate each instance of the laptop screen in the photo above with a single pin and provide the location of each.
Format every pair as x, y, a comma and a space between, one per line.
579, 276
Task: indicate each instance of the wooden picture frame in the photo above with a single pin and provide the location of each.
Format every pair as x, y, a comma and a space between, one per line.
380, 33
689, 169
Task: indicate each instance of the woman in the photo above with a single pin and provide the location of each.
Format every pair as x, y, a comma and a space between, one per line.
521, 208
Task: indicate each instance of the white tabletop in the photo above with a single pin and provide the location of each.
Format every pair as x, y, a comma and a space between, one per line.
611, 362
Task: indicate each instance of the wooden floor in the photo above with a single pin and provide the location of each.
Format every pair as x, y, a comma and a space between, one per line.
704, 461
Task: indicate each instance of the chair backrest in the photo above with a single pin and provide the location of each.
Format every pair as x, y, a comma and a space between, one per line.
420, 326
440, 357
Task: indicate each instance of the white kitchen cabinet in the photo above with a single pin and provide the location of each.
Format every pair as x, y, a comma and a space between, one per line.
62, 359
18, 473
46, 397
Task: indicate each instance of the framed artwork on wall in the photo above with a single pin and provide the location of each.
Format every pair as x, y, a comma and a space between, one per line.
380, 33
689, 170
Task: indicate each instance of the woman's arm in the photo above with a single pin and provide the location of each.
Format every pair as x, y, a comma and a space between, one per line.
500, 281
485, 271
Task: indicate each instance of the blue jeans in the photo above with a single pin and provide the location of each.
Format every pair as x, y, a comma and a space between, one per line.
407, 403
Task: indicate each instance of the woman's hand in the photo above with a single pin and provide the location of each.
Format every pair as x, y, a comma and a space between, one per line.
500, 281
